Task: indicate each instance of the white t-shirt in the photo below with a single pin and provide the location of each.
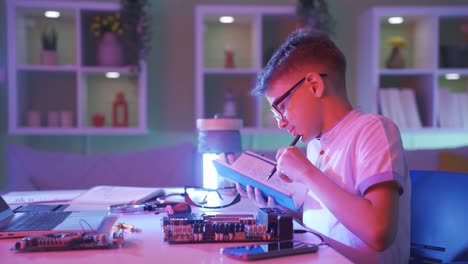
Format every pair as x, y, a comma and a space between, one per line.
358, 152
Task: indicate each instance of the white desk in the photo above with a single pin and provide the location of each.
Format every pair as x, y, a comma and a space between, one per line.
148, 246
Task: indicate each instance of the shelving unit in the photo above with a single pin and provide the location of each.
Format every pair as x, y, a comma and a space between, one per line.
75, 86
253, 36
431, 33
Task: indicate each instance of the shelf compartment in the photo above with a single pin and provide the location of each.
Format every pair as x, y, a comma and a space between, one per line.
238, 36
423, 93
100, 94
241, 85
275, 29
415, 30
453, 42
452, 99
30, 23
90, 42
45, 92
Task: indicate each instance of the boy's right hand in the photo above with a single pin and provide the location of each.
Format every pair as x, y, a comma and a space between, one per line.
255, 195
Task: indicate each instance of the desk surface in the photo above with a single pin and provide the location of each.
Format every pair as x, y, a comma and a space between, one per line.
148, 246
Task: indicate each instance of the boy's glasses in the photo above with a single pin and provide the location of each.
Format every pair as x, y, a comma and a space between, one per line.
275, 105
208, 198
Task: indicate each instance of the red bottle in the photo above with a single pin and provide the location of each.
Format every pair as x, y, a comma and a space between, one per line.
120, 111
228, 57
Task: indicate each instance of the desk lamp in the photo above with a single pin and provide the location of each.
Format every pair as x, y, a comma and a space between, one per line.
217, 136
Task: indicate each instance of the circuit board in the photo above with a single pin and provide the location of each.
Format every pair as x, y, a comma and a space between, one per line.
218, 228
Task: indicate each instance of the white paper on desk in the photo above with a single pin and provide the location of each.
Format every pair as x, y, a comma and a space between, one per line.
104, 194
59, 196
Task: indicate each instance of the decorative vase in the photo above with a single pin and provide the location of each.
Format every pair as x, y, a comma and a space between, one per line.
66, 119
120, 111
53, 119
49, 57
228, 57
34, 118
109, 50
98, 120
395, 60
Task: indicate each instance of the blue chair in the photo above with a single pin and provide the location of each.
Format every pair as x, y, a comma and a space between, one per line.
439, 217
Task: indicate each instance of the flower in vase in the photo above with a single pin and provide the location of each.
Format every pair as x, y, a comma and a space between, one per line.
397, 42
110, 23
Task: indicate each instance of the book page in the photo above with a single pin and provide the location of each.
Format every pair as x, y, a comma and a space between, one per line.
258, 168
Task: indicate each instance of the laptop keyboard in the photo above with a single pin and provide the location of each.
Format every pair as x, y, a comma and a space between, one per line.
37, 221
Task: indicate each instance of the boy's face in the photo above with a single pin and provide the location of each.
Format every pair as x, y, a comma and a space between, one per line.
297, 107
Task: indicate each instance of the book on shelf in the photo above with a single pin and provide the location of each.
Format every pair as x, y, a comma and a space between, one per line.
464, 108
253, 169
410, 108
443, 109
391, 106
104, 194
453, 109
400, 105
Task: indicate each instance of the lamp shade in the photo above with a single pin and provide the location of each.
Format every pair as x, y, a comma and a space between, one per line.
218, 135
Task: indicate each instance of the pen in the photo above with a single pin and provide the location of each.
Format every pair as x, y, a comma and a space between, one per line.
293, 143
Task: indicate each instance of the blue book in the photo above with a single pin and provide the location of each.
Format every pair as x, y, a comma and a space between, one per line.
253, 169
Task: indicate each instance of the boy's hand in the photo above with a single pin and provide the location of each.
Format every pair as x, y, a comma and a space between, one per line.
255, 195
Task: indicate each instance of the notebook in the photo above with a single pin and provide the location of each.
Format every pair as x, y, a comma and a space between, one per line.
32, 223
252, 169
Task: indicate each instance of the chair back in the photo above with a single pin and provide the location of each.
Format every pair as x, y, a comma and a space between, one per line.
439, 216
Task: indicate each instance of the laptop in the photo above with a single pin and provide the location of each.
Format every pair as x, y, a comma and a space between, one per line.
21, 223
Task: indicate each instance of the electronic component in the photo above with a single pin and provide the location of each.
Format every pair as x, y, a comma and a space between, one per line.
271, 225
67, 241
278, 222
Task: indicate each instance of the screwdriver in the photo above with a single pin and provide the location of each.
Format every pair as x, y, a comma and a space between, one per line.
180, 208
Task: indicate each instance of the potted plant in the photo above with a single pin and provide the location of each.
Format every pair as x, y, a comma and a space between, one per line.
49, 47
314, 14
135, 15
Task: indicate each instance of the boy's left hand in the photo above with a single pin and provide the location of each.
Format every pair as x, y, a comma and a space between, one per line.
255, 195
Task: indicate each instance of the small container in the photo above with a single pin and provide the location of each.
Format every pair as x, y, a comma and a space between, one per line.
52, 119
66, 118
34, 119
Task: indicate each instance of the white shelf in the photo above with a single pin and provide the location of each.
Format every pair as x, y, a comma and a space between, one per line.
45, 68
76, 84
254, 35
427, 31
397, 72
81, 131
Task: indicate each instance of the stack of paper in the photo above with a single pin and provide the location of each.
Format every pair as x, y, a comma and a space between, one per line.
118, 195
399, 104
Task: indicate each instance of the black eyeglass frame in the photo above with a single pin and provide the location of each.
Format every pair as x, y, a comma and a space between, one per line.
189, 200
275, 105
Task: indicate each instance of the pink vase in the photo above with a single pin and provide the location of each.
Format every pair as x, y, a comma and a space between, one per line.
109, 50
49, 57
